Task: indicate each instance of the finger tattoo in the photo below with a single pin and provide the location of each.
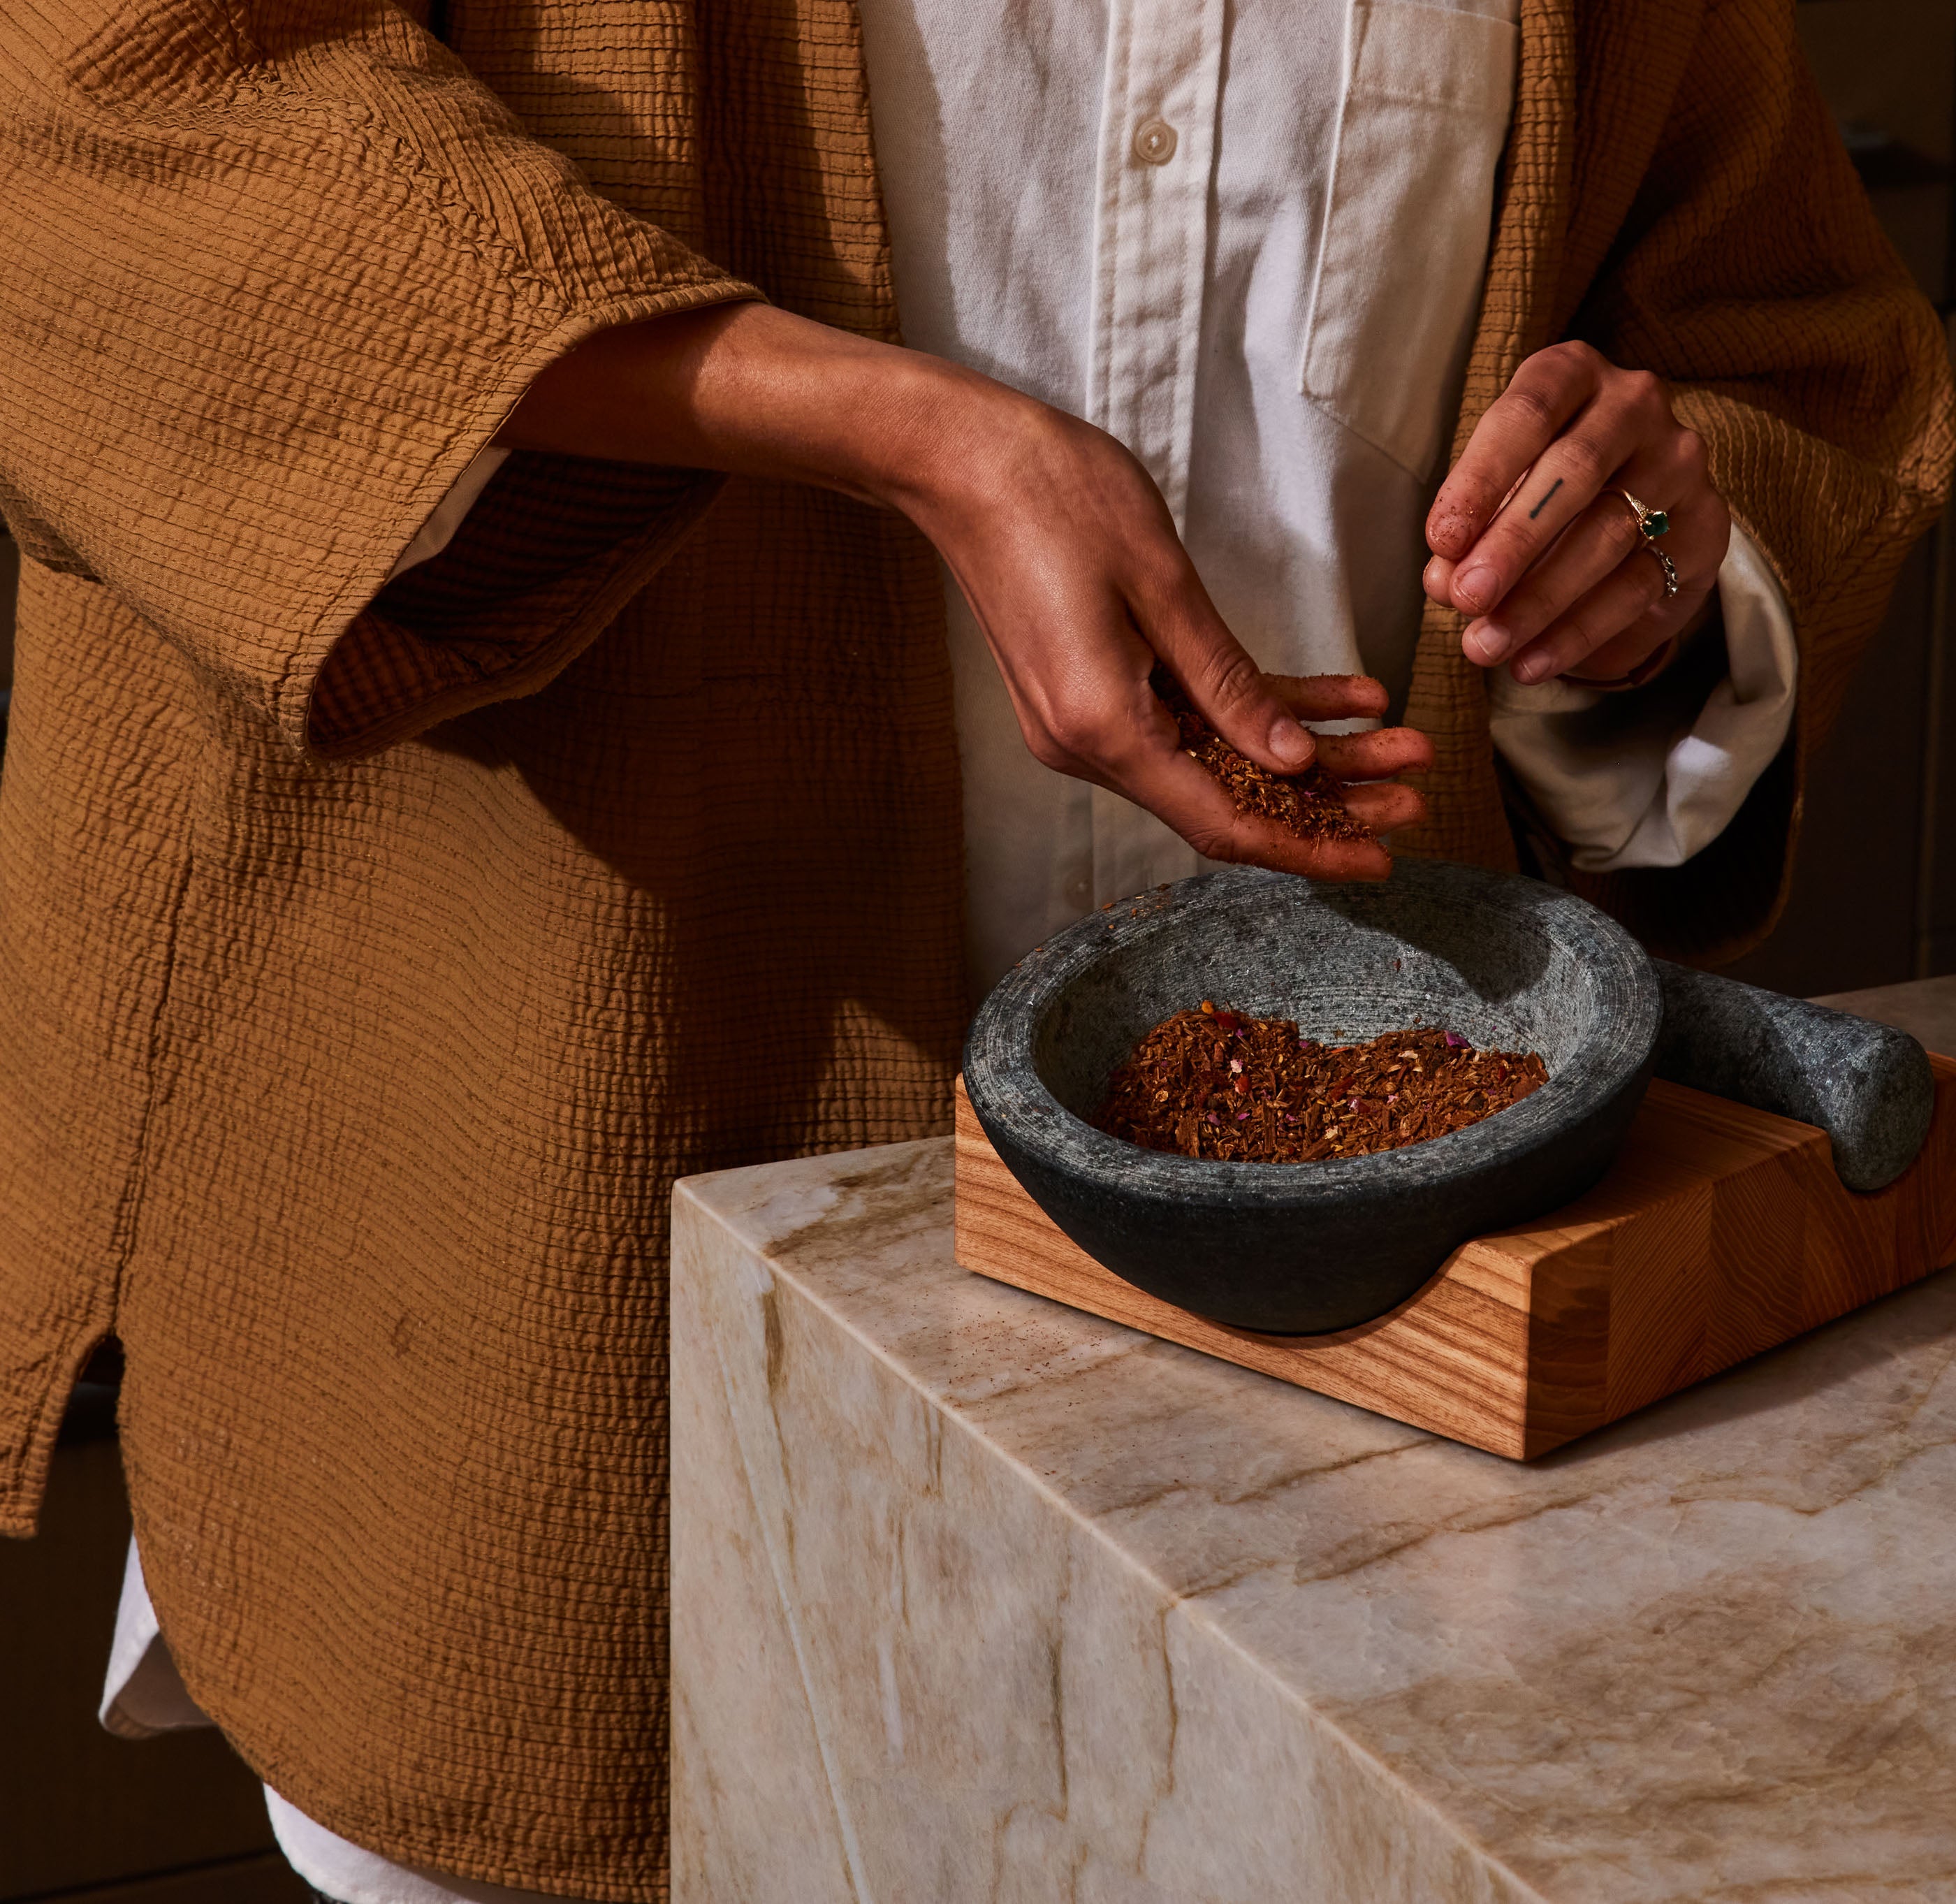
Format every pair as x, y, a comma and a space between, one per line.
1544, 503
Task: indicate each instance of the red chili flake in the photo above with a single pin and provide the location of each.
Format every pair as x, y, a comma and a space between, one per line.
1183, 1090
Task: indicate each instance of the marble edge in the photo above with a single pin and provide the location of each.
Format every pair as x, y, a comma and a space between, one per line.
717, 1196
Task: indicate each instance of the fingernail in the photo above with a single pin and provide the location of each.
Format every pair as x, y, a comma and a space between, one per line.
1486, 642
1290, 744
1477, 586
1530, 669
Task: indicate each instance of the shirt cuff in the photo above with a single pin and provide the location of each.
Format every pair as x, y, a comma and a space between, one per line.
1647, 778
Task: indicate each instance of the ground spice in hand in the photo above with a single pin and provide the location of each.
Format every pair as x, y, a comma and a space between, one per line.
1310, 805
1216, 1084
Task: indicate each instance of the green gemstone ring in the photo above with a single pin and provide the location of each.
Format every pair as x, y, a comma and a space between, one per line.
1651, 523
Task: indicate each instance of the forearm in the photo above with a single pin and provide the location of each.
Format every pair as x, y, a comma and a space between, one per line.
755, 391
1061, 540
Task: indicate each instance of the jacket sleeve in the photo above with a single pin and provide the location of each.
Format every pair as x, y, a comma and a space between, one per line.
271, 274
1750, 271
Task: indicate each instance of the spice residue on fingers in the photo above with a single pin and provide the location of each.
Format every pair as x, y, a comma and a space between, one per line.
1214, 1083
1310, 805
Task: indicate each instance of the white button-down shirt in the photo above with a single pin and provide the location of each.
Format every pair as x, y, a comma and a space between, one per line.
1247, 238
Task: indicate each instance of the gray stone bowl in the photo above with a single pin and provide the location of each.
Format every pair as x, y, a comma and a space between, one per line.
1301, 1248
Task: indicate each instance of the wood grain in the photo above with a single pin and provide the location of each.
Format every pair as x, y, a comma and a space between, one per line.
1720, 1231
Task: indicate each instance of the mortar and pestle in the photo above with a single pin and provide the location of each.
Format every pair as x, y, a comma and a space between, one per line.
1291, 1248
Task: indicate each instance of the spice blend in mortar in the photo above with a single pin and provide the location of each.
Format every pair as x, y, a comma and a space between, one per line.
1217, 1084
1310, 805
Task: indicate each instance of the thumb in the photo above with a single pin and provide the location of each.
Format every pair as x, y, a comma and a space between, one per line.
1233, 695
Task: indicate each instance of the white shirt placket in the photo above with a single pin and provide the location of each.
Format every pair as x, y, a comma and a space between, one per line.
1150, 257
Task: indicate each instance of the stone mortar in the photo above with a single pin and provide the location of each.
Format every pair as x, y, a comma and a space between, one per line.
1303, 1249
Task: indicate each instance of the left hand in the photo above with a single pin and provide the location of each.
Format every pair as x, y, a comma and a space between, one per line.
1531, 539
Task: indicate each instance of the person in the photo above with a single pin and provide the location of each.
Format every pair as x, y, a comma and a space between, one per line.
429, 827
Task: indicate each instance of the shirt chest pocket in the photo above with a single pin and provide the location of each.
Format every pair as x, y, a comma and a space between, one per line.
1401, 260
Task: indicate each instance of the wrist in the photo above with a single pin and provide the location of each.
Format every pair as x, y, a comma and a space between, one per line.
950, 442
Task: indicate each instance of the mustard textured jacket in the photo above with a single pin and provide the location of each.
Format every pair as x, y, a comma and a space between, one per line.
376, 957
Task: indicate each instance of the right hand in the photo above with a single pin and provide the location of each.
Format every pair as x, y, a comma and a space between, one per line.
1059, 538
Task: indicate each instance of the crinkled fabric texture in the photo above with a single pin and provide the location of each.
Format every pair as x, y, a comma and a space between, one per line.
376, 961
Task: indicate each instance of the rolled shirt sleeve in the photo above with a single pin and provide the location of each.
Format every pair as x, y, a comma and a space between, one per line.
1651, 777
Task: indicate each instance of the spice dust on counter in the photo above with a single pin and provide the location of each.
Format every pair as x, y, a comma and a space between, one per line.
1218, 1084
1310, 805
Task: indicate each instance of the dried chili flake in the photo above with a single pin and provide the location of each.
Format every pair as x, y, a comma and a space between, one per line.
1310, 805
1181, 1089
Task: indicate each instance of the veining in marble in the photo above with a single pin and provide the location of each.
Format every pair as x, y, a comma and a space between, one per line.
976, 1597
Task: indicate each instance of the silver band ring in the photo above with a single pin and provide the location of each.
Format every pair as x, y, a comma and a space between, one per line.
1651, 523
1670, 570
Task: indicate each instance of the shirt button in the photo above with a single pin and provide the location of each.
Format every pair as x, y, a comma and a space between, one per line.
1154, 142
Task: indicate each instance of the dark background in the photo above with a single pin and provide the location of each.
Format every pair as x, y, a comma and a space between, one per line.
94, 1819
1874, 895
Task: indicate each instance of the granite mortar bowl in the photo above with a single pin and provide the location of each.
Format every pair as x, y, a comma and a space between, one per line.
1303, 1249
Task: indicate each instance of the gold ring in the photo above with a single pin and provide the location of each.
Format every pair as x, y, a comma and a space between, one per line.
1651, 523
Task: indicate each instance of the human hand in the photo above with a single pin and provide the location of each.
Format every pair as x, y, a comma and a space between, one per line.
1531, 538
1069, 559
1057, 536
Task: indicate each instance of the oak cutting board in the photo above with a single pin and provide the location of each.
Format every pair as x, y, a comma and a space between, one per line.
1720, 1231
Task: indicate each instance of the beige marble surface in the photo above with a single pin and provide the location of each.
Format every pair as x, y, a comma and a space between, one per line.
978, 1598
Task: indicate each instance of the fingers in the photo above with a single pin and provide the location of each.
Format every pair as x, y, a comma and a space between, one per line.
1330, 697
1631, 657
1377, 756
1188, 799
1548, 390
1225, 686
1532, 539
1573, 606
1385, 806
1157, 774
1628, 596
1593, 545
1095, 716
1631, 413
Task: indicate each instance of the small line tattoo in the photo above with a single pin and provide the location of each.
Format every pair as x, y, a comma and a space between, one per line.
1544, 503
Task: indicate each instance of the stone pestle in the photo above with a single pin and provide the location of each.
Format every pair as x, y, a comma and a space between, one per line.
1867, 1086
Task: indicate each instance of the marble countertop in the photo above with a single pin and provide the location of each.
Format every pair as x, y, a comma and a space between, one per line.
977, 1597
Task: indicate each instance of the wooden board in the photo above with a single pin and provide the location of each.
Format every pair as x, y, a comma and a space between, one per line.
1721, 1232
